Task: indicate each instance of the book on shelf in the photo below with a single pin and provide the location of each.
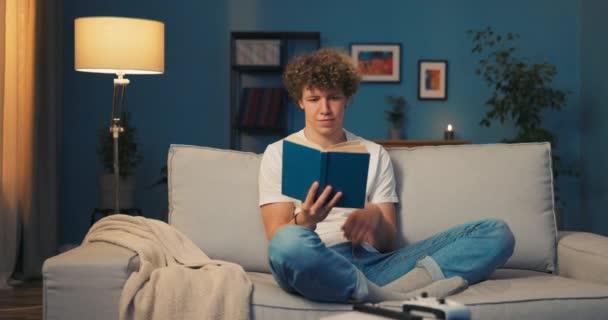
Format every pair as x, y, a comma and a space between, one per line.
261, 108
344, 166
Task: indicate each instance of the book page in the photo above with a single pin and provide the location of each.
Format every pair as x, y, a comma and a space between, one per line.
347, 146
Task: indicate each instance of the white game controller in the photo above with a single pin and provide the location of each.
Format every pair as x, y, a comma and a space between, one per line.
436, 308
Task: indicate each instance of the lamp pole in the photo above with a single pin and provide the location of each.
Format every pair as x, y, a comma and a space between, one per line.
118, 102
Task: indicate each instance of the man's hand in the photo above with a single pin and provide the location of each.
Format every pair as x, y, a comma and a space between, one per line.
374, 224
361, 225
313, 212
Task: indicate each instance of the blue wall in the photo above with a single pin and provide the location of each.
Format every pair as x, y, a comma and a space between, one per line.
594, 101
436, 30
189, 103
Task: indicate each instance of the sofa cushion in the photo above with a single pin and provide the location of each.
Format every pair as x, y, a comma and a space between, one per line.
213, 199
269, 301
441, 187
510, 294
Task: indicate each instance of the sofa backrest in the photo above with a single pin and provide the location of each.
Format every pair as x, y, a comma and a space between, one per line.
213, 198
441, 187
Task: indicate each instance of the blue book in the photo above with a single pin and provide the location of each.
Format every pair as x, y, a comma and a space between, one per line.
343, 166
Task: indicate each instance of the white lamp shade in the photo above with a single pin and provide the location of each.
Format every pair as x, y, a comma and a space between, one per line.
119, 45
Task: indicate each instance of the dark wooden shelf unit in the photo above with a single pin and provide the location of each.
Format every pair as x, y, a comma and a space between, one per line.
236, 82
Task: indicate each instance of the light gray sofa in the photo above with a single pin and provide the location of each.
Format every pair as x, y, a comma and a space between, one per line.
213, 200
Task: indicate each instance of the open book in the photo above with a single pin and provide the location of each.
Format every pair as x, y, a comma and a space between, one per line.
344, 166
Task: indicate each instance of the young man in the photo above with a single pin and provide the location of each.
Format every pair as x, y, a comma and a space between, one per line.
338, 255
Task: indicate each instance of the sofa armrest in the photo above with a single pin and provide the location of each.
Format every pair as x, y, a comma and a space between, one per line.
583, 256
86, 282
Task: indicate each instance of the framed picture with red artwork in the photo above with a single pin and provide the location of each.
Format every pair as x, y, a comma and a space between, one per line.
377, 62
432, 80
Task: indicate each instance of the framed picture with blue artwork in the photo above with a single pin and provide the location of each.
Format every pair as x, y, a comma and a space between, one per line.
432, 80
377, 62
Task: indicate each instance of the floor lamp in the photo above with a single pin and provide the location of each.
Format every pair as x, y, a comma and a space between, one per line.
120, 46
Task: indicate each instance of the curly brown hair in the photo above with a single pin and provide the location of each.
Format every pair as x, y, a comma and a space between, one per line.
325, 69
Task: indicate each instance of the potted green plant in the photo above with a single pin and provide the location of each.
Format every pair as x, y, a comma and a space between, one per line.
396, 116
520, 91
129, 157
163, 179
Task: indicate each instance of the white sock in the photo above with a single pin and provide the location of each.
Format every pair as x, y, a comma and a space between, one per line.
367, 291
415, 279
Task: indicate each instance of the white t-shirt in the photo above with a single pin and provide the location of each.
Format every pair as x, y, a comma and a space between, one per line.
380, 185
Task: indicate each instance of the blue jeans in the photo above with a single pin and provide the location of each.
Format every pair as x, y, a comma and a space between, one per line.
301, 263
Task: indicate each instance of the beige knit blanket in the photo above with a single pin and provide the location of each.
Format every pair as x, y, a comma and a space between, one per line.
175, 280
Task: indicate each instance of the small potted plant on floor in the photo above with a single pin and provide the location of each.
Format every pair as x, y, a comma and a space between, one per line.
129, 157
396, 116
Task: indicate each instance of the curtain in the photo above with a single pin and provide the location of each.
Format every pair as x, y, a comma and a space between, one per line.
30, 135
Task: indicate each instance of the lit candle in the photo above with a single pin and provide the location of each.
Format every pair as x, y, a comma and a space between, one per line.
448, 134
